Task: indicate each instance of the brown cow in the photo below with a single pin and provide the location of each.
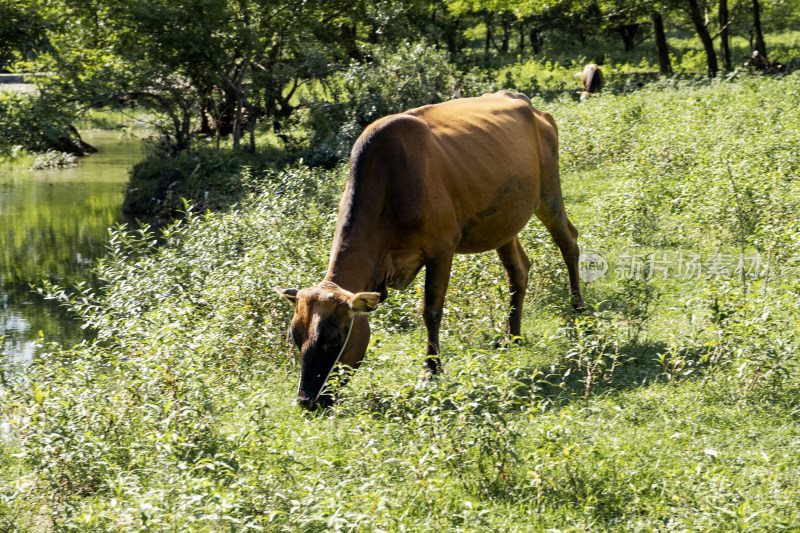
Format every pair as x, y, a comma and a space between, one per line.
463, 176
592, 80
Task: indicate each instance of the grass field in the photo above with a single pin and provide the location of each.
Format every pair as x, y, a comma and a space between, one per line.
674, 406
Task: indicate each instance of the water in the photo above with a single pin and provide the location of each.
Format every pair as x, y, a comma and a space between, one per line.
53, 225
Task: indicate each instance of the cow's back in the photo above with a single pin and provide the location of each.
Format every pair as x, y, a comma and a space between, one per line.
493, 155
465, 174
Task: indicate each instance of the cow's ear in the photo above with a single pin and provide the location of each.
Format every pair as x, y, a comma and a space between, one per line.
289, 294
364, 302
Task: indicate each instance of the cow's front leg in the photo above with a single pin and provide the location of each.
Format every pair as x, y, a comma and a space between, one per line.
437, 277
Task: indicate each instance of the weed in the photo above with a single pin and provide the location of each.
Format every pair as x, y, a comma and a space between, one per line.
669, 408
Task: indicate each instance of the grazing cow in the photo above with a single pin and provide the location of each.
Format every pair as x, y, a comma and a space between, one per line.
592, 80
463, 176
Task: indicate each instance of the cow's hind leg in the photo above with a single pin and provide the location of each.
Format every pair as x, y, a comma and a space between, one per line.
554, 217
517, 266
437, 277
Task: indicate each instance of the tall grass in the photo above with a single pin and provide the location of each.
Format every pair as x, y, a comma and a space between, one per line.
672, 407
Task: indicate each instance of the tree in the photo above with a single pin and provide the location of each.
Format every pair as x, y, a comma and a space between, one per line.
217, 68
761, 47
692, 8
662, 50
623, 17
23, 31
506, 16
724, 39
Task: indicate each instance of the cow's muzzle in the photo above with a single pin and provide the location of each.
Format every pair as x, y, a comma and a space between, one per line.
309, 403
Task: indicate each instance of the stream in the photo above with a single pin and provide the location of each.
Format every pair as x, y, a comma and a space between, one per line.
53, 226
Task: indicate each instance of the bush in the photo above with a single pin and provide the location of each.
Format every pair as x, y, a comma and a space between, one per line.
53, 159
208, 178
390, 82
179, 416
540, 79
39, 124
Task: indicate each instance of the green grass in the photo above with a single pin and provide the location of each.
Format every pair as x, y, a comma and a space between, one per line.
16, 159
781, 46
132, 121
674, 407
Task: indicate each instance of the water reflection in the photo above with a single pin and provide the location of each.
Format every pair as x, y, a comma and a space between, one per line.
53, 224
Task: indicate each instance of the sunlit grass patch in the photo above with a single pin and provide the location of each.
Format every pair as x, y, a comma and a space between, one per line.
673, 405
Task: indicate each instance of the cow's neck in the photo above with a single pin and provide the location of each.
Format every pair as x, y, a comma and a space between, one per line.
357, 257
355, 263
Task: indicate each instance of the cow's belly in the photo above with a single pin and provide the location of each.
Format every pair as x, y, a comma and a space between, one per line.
497, 222
488, 235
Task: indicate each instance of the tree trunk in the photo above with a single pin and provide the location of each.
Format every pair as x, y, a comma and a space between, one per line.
237, 124
205, 123
521, 28
227, 111
251, 123
452, 34
664, 63
708, 45
724, 39
536, 41
760, 46
347, 37
508, 27
487, 18
628, 34
238, 87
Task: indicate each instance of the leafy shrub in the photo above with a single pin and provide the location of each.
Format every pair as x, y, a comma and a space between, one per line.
390, 82
748, 332
540, 79
39, 124
53, 159
681, 164
208, 178
179, 417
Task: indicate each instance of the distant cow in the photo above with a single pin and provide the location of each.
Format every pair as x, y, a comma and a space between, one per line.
463, 176
592, 80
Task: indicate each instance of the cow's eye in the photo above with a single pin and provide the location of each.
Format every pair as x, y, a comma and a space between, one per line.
333, 342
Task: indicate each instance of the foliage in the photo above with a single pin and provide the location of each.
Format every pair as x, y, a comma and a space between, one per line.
37, 123
23, 31
669, 407
239, 69
53, 159
210, 179
544, 79
390, 82
219, 68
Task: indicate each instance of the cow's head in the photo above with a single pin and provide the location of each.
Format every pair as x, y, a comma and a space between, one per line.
326, 328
